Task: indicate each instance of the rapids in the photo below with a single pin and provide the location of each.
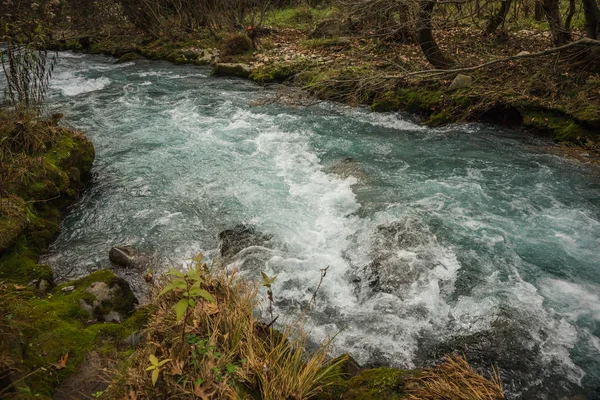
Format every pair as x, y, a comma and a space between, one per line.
467, 237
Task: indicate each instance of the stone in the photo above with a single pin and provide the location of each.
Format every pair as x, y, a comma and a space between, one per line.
523, 53
330, 28
461, 81
240, 237
111, 301
128, 257
135, 338
43, 287
128, 57
348, 167
232, 69
68, 289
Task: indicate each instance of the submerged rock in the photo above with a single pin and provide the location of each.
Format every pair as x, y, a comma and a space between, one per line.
400, 256
347, 167
111, 301
128, 257
240, 237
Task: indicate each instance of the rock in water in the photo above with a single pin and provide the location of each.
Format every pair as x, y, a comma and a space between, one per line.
232, 241
111, 301
461, 81
128, 257
348, 167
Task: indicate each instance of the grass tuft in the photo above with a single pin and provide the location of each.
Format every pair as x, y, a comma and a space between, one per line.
219, 350
454, 379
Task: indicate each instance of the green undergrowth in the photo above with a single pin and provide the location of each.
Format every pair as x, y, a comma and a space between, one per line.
301, 17
55, 327
36, 186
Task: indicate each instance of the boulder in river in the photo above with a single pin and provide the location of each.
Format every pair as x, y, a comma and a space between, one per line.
347, 167
236, 239
128, 257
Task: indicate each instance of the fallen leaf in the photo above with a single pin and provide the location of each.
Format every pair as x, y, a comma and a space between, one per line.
211, 308
62, 363
19, 287
177, 367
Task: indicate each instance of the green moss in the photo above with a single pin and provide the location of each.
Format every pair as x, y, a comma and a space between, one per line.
421, 101
559, 127
58, 325
376, 384
277, 72
235, 70
17, 266
385, 105
13, 220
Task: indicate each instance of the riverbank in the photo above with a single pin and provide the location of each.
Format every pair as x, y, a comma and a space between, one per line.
316, 51
48, 330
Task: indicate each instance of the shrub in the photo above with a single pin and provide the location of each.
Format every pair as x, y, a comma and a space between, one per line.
236, 44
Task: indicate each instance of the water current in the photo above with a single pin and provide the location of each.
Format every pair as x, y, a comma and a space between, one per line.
468, 238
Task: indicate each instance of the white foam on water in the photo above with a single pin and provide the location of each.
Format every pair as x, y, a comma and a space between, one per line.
385, 120
71, 84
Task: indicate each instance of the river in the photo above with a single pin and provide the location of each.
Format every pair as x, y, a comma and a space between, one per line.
468, 238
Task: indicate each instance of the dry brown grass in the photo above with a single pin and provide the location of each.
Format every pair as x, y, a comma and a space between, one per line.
454, 379
221, 351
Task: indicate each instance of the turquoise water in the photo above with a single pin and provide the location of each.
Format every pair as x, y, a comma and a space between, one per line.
463, 238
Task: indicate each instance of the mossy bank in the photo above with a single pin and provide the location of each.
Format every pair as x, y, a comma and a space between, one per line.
47, 331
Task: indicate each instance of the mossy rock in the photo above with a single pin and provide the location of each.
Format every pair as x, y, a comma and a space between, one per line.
376, 384
54, 326
277, 72
236, 70
558, 125
13, 220
108, 299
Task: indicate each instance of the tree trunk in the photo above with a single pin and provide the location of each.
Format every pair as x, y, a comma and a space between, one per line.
499, 18
570, 15
592, 19
559, 35
538, 10
431, 50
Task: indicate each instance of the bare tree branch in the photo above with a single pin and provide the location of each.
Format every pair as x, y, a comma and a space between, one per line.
585, 41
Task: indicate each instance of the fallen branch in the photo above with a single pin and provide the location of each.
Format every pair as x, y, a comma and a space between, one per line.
586, 41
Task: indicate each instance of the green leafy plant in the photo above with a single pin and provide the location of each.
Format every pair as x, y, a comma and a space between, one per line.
155, 367
188, 284
268, 282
